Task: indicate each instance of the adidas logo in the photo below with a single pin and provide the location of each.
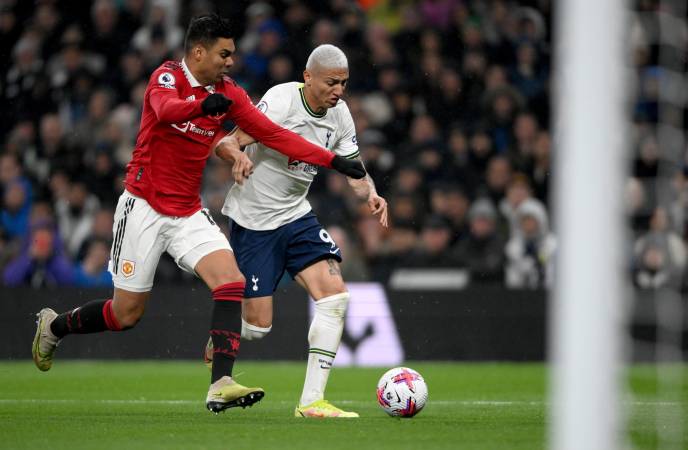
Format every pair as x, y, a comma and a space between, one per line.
191, 97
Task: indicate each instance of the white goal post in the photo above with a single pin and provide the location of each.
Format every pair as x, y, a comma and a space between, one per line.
586, 318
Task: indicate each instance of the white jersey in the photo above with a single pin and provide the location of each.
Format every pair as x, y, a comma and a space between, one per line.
275, 194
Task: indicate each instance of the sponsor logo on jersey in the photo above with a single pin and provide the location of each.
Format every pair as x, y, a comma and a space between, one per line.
353, 139
128, 268
299, 166
188, 126
166, 79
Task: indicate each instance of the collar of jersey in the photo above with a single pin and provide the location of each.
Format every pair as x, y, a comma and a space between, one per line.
305, 104
192, 81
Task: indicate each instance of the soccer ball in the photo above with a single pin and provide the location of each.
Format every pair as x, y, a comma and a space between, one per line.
402, 392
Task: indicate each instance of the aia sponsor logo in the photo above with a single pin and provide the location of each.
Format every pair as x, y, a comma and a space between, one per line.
299, 166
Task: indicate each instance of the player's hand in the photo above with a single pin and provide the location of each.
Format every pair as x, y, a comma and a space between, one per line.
349, 167
216, 104
378, 206
242, 168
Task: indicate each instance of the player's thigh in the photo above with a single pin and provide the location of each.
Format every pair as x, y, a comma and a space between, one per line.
322, 279
219, 268
129, 307
257, 311
199, 247
261, 257
313, 258
139, 239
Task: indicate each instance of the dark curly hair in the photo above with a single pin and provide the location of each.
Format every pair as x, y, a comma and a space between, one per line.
206, 29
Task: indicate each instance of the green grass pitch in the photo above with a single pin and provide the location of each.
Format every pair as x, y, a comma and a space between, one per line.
145, 405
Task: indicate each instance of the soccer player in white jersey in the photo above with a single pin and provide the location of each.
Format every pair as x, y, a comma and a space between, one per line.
273, 227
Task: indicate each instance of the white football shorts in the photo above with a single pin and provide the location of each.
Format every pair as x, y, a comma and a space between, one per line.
142, 234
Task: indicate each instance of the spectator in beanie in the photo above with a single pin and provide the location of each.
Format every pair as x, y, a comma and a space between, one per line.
482, 250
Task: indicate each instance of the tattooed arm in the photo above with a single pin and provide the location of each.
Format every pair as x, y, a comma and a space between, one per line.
365, 190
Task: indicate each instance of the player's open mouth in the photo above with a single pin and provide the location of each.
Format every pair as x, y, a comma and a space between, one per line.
334, 100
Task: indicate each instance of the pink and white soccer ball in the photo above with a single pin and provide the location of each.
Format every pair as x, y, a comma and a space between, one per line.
402, 392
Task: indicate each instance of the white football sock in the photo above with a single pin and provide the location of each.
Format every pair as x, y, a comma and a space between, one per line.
323, 337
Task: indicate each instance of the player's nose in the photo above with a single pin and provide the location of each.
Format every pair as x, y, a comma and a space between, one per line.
229, 62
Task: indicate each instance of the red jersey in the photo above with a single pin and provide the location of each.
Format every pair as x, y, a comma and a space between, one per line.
174, 140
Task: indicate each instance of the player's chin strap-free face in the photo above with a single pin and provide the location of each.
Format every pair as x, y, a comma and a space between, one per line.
324, 84
211, 64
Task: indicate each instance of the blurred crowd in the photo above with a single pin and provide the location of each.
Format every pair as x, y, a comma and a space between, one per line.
451, 101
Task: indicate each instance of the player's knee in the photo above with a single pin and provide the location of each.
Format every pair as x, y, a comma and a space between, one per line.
129, 319
253, 332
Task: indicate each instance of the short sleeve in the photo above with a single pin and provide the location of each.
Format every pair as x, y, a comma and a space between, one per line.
274, 105
347, 146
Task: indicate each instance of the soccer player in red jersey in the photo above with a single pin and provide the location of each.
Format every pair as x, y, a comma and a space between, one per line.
185, 106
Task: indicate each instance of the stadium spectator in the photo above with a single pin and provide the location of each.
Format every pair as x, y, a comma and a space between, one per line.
518, 191
93, 270
660, 255
75, 216
482, 250
42, 262
530, 254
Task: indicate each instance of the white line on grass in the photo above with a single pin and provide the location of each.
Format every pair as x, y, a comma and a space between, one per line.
344, 402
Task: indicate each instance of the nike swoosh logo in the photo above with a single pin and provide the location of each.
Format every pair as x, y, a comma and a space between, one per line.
334, 251
324, 367
319, 415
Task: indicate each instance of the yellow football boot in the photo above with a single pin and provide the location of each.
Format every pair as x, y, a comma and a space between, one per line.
321, 408
227, 393
45, 342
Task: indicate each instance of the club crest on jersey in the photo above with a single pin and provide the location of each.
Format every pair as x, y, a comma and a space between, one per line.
166, 79
128, 268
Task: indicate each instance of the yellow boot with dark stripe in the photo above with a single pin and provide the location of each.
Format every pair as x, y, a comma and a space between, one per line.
226, 393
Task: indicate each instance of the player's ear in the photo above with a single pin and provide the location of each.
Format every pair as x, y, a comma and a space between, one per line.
307, 77
198, 52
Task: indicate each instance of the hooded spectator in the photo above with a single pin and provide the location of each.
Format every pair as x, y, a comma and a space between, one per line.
660, 255
530, 254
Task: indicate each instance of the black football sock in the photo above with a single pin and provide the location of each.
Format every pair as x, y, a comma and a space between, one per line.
93, 317
225, 328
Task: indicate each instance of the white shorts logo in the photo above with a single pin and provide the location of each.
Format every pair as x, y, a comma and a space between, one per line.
255, 282
166, 78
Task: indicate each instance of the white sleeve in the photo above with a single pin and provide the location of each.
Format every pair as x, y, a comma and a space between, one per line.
347, 146
274, 105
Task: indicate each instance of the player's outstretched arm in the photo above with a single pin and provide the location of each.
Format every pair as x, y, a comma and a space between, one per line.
261, 128
169, 108
365, 190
